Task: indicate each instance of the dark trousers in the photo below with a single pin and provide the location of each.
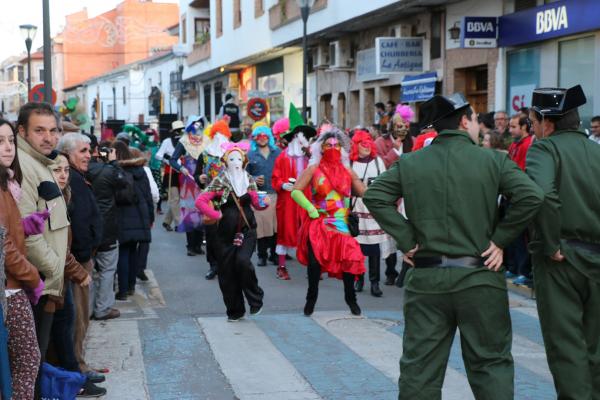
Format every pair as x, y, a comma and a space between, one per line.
194, 240
519, 259
211, 245
390, 265
43, 328
62, 335
314, 276
142, 256
266, 244
127, 266
237, 277
403, 271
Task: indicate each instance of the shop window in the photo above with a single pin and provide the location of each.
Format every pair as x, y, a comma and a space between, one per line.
435, 45
576, 66
523, 76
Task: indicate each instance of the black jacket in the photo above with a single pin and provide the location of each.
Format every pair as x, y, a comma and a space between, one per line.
86, 221
136, 220
106, 179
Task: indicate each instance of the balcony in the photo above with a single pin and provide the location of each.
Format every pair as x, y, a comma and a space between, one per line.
200, 3
287, 11
201, 52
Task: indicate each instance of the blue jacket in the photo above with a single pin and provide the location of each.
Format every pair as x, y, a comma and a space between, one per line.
258, 165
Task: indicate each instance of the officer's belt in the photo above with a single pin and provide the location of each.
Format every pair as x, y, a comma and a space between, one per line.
578, 244
448, 262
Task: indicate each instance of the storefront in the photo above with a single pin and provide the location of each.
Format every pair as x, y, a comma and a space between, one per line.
555, 45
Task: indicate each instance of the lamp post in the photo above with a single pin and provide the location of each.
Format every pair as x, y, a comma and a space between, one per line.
28, 32
181, 90
305, 6
114, 90
47, 53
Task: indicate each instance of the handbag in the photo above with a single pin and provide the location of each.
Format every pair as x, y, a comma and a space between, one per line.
57, 383
353, 217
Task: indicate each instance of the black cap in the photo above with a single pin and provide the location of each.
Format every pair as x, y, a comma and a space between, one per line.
557, 101
439, 107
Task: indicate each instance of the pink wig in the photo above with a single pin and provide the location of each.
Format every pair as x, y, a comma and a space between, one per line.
405, 112
280, 126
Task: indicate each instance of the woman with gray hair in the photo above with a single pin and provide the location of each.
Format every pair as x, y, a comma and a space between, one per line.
325, 243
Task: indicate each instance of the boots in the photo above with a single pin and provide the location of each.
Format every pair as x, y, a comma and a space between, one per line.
400, 280
374, 275
375, 291
359, 284
350, 294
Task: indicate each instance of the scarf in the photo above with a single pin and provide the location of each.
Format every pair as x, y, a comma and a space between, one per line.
14, 187
336, 172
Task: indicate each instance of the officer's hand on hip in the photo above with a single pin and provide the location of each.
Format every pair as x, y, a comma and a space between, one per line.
558, 256
495, 256
409, 255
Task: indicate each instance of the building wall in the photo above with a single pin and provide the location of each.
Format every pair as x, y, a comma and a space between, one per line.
128, 33
158, 74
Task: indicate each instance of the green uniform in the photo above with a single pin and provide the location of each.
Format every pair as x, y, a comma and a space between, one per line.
450, 192
566, 166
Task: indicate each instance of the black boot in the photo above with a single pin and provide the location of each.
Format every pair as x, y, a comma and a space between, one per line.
262, 261
375, 291
359, 284
212, 273
390, 269
350, 294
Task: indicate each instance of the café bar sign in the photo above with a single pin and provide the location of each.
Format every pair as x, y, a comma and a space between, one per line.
396, 55
549, 21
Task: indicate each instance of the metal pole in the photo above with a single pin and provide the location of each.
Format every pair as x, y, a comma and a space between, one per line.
47, 54
305, 11
114, 102
181, 92
28, 46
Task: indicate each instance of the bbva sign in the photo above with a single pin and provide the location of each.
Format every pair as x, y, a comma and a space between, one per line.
551, 20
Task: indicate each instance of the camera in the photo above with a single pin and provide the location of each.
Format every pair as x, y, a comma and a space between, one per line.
370, 180
103, 152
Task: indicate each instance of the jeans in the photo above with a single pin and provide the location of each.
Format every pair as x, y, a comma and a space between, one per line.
127, 267
142, 256
104, 277
63, 332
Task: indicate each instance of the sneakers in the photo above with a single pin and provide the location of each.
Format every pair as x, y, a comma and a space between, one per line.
167, 227
522, 280
255, 310
354, 309
282, 273
121, 296
91, 390
235, 319
94, 376
509, 275
112, 313
210, 275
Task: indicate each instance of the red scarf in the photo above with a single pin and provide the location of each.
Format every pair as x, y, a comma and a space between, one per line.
335, 171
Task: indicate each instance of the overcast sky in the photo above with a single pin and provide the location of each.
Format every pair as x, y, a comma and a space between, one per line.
30, 12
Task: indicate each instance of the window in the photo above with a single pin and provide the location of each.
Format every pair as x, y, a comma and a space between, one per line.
576, 66
436, 35
524, 4
207, 110
124, 96
259, 8
237, 14
523, 76
219, 17
201, 30
41, 79
183, 30
21, 73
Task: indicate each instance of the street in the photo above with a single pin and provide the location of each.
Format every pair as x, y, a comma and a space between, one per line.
173, 340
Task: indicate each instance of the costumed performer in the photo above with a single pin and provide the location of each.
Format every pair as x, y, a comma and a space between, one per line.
170, 181
234, 193
325, 243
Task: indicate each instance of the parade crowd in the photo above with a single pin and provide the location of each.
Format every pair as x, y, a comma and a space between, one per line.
468, 200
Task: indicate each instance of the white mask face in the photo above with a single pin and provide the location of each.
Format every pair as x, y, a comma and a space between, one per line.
297, 144
235, 161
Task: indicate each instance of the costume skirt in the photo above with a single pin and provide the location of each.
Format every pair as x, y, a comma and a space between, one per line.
337, 252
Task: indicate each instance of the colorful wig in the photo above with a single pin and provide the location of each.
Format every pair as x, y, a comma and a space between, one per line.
195, 124
222, 127
262, 130
328, 131
280, 126
364, 137
405, 112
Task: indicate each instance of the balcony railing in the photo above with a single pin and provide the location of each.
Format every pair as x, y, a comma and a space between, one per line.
287, 11
201, 52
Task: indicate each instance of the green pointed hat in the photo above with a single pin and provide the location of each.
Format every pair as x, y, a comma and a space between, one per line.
298, 125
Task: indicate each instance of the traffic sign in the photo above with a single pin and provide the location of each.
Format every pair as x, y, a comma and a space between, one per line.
37, 94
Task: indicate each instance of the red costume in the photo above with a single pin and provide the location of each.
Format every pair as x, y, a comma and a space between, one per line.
518, 151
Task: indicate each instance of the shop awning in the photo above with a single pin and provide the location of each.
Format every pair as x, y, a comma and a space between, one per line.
418, 87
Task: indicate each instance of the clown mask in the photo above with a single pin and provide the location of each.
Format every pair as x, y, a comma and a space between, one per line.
235, 162
297, 145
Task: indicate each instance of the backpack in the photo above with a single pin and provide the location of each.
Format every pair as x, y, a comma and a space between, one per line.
126, 195
59, 384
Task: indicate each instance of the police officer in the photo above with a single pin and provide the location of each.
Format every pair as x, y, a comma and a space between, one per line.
566, 241
232, 110
455, 242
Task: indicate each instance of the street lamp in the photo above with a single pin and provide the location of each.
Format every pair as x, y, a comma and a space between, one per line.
305, 6
28, 32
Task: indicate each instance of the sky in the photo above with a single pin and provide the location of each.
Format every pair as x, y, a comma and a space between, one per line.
30, 12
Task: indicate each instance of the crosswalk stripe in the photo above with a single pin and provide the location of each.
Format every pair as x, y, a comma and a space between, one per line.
372, 341
256, 369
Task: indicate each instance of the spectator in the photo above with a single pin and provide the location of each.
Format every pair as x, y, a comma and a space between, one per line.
63, 338
379, 113
385, 122
106, 178
595, 136
501, 125
231, 110
135, 216
22, 278
38, 126
486, 123
86, 224
519, 130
